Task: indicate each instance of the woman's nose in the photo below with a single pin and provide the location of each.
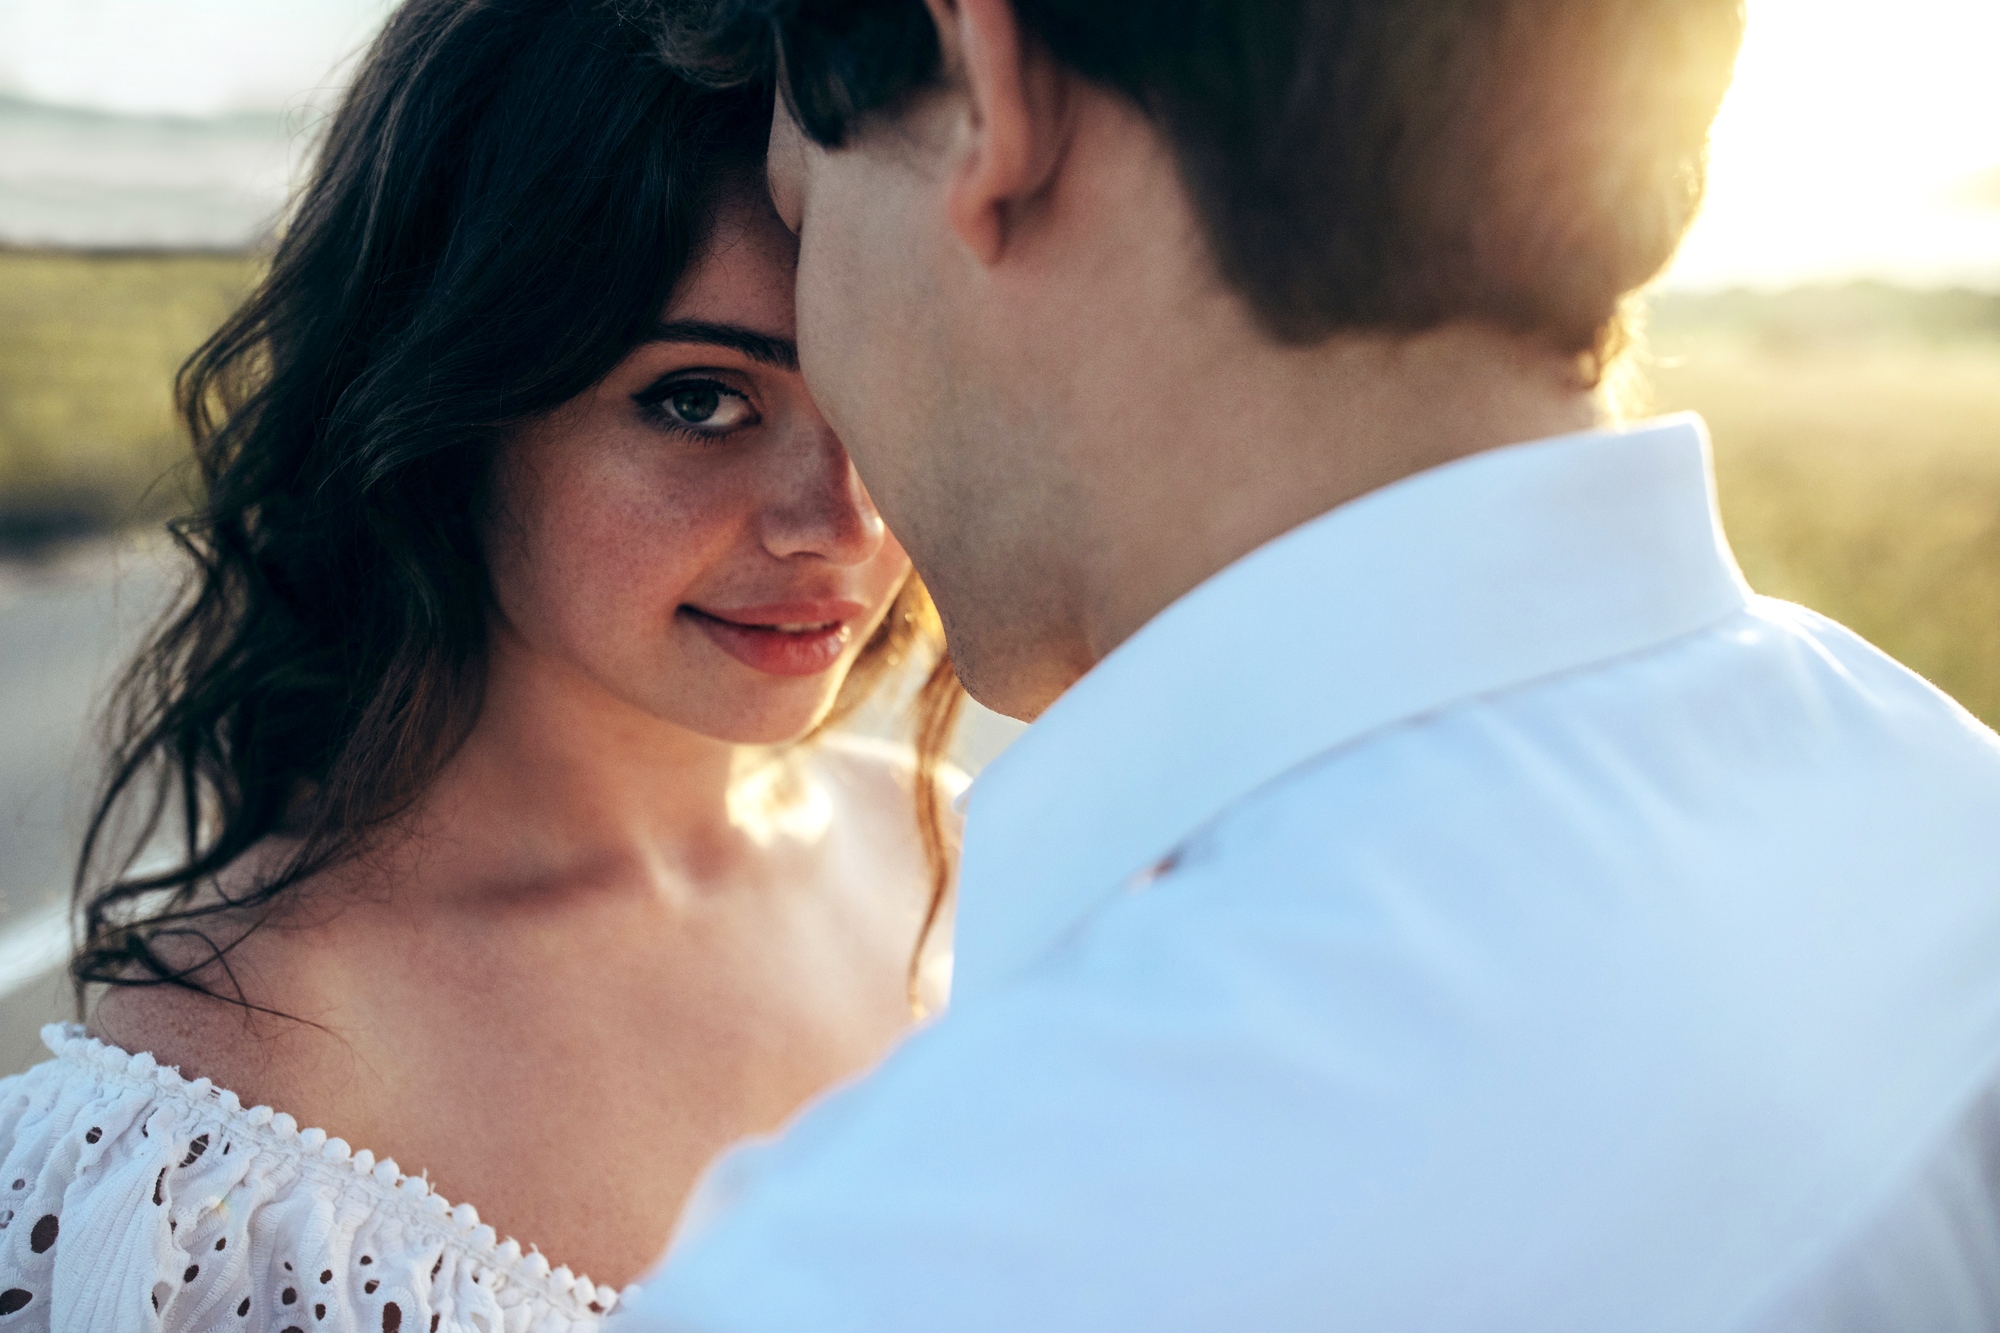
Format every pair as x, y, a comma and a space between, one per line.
818, 506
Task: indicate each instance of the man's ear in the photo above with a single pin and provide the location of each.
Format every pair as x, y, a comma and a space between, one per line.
1009, 140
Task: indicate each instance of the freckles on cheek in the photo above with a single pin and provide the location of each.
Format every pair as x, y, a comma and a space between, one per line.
886, 578
648, 544
616, 555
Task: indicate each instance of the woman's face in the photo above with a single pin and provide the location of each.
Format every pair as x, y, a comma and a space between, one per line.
689, 534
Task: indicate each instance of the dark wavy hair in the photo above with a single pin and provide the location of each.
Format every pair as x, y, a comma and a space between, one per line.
503, 202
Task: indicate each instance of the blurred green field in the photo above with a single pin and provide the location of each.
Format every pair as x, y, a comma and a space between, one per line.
1858, 461
1857, 433
88, 349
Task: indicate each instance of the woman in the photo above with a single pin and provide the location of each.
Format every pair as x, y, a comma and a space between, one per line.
526, 563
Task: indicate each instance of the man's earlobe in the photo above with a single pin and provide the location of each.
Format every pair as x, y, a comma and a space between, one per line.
1010, 128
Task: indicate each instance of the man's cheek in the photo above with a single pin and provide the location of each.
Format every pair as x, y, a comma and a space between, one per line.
828, 334
839, 306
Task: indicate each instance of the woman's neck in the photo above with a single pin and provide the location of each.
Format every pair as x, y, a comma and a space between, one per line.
562, 783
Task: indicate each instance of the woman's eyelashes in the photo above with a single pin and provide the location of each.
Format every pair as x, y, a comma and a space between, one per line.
696, 406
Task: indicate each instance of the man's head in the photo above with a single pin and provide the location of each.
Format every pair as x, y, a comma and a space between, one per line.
1053, 249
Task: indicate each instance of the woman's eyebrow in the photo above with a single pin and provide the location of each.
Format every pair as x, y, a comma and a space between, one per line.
782, 353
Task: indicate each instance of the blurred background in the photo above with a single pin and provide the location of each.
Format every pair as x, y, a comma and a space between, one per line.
1835, 316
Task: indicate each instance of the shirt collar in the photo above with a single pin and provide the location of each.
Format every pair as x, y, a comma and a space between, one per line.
1463, 580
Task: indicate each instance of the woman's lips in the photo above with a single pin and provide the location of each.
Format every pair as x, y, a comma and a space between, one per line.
780, 638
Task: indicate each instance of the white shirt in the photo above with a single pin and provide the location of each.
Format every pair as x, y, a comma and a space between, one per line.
1474, 910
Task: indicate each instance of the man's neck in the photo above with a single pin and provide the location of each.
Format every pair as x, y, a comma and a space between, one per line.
1288, 434
1164, 434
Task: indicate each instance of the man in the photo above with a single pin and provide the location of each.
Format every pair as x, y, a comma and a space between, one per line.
1436, 893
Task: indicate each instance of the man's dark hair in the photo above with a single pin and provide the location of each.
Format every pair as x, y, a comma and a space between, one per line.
1359, 164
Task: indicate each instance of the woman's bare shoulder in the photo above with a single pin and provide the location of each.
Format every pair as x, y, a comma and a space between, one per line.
246, 1017
202, 1035
889, 768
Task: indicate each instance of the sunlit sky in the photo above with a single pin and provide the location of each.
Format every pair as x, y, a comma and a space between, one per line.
1861, 139
180, 57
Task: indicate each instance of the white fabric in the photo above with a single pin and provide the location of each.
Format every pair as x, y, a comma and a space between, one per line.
1473, 911
134, 1200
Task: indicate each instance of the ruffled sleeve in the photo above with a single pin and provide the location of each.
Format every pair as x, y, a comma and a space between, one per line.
131, 1199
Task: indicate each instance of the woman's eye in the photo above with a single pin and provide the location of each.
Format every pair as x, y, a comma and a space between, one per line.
696, 406
703, 406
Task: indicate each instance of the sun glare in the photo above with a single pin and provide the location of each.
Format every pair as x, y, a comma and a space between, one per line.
1861, 139
1853, 143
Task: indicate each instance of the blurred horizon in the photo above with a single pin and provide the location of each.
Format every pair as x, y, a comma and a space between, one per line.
1854, 145
194, 59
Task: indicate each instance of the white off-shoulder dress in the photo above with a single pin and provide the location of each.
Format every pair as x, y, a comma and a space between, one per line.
133, 1199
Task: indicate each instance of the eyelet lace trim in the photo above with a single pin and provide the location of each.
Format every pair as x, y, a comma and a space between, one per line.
408, 1198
